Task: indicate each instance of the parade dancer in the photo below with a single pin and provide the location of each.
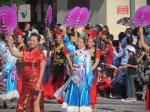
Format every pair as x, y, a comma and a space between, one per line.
95, 58
58, 71
77, 98
9, 70
148, 88
21, 39
31, 97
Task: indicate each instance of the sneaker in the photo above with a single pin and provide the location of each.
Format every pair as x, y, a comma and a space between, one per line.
126, 100
133, 99
92, 106
130, 99
110, 95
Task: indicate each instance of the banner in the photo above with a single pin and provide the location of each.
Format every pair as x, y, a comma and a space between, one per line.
24, 13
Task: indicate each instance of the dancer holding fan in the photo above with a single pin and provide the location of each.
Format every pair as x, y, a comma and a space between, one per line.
8, 24
77, 97
95, 58
148, 88
58, 72
142, 19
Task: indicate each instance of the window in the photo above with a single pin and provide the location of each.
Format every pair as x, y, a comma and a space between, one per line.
80, 3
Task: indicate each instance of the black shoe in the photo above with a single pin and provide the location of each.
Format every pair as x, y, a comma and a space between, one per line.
4, 106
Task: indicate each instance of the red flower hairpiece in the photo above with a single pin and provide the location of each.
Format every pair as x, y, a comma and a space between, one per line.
91, 33
58, 31
19, 32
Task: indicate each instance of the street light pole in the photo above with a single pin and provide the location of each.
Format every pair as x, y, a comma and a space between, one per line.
132, 8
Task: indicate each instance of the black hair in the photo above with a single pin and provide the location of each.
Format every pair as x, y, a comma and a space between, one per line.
14, 37
137, 47
2, 36
106, 33
106, 28
129, 30
25, 39
121, 36
84, 39
110, 37
98, 27
129, 40
26, 24
36, 35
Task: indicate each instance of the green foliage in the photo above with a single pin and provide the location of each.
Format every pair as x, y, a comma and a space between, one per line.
10, 2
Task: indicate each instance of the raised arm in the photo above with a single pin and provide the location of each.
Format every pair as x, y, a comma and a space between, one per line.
142, 39
14, 53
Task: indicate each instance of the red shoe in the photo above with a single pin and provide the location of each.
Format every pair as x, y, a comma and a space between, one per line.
92, 106
58, 102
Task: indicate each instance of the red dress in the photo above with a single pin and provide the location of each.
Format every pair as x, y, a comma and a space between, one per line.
93, 90
148, 94
19, 66
58, 74
30, 78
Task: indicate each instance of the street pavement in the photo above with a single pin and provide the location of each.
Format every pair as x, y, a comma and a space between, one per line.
104, 105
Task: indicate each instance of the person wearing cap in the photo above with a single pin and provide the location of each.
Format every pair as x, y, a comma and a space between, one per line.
124, 78
132, 66
148, 88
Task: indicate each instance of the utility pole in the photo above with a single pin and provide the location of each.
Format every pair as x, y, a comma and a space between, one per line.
132, 8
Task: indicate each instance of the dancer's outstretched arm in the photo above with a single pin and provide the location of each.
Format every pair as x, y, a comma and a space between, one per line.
14, 53
142, 39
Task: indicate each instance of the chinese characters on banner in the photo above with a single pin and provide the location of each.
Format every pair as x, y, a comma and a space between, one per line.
122, 10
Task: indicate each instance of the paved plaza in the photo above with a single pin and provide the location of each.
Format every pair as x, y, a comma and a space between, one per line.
104, 105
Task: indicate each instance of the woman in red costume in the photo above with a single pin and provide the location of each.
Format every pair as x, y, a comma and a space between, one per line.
31, 97
20, 46
58, 70
148, 88
95, 58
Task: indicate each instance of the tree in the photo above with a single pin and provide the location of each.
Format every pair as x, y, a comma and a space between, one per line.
10, 2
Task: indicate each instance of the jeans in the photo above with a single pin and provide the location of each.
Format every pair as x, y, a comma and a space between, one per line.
124, 79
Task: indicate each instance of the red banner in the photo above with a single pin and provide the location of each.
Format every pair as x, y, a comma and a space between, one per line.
122, 10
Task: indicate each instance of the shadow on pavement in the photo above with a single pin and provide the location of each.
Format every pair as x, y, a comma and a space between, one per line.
105, 108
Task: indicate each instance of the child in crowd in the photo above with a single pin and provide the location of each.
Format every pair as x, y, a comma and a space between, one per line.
105, 83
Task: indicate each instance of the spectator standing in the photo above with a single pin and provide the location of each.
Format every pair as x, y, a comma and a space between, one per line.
123, 78
109, 55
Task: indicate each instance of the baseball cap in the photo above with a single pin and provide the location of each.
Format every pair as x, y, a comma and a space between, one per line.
132, 49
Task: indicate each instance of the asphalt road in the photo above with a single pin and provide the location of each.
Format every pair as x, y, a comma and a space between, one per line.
104, 105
